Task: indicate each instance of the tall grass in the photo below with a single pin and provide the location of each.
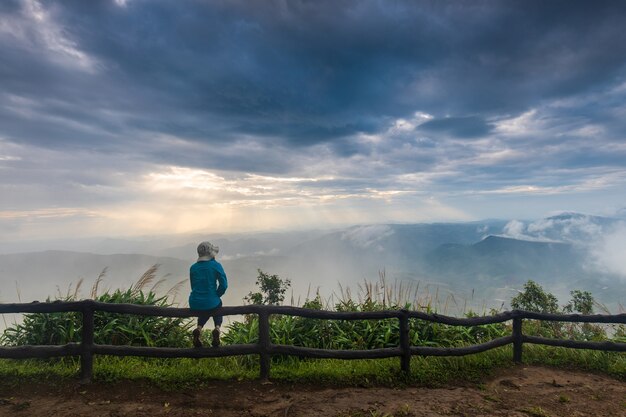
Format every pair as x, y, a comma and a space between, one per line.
59, 328
109, 328
368, 334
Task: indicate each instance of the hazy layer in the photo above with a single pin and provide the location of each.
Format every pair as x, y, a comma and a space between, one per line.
455, 267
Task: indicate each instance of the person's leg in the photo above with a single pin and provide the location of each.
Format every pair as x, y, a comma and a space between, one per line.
202, 319
215, 334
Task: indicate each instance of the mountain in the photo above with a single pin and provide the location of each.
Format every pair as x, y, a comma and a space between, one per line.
499, 257
491, 258
506, 260
350, 256
497, 266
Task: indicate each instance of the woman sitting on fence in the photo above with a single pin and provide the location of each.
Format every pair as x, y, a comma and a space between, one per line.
208, 284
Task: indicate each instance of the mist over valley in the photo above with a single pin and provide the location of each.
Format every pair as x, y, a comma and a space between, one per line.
454, 266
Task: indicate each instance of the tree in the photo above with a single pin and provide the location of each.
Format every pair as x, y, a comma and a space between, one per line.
272, 289
582, 302
534, 298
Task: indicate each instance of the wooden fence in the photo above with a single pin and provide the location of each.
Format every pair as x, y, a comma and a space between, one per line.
265, 349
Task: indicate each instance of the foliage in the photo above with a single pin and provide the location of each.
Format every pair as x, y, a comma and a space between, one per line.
535, 298
582, 301
59, 328
109, 328
372, 334
272, 289
359, 334
620, 333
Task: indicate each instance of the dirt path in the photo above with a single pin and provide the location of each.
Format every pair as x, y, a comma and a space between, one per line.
519, 391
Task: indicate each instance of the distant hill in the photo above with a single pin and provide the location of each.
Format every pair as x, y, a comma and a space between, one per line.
507, 260
490, 258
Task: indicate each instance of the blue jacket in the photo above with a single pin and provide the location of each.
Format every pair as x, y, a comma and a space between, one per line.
205, 277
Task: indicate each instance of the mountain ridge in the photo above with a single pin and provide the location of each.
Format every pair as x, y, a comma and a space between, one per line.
463, 256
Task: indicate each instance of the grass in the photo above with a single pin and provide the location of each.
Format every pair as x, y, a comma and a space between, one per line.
611, 363
183, 373
535, 412
365, 334
169, 374
109, 328
564, 399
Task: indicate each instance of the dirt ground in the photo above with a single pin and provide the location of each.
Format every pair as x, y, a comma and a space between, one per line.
519, 391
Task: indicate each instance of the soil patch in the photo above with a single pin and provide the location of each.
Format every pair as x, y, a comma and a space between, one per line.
518, 391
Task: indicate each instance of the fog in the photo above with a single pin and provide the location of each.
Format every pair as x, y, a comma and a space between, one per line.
453, 267
610, 251
603, 240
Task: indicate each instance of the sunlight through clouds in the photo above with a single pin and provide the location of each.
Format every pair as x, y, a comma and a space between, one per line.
47, 213
247, 185
256, 189
144, 113
189, 199
181, 178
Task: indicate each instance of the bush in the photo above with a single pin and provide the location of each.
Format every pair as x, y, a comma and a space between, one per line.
535, 298
109, 328
349, 334
371, 334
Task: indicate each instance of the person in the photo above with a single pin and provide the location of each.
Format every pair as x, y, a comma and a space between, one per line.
208, 284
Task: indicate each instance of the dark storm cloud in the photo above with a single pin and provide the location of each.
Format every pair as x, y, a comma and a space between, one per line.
306, 72
312, 71
462, 127
591, 156
240, 158
9, 6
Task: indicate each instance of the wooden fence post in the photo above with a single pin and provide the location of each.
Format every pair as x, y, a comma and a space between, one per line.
517, 339
405, 345
86, 355
264, 343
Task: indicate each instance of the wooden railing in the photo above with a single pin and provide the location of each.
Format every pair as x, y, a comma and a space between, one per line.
265, 349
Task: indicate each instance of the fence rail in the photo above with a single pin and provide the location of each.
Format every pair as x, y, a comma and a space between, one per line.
265, 349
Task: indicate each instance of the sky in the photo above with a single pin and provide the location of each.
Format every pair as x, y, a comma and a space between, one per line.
135, 117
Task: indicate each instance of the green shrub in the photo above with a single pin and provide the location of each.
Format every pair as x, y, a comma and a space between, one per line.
535, 298
109, 328
372, 334
351, 334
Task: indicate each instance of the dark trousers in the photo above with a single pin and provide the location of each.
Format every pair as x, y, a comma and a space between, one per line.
204, 317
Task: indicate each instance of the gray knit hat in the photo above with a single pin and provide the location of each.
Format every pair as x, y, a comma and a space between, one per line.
207, 251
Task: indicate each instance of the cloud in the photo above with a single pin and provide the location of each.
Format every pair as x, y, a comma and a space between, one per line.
312, 73
515, 229
602, 239
578, 228
428, 106
609, 254
460, 127
366, 236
